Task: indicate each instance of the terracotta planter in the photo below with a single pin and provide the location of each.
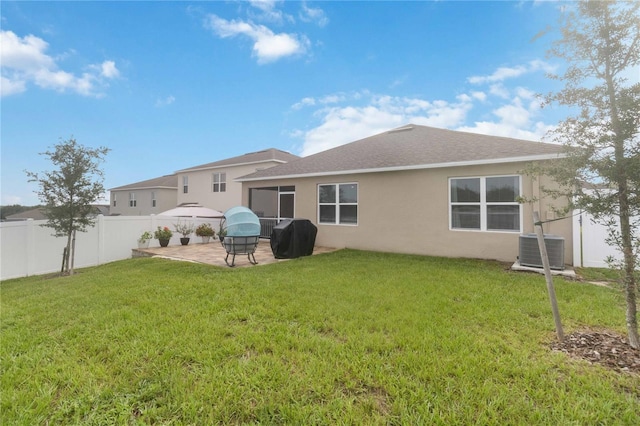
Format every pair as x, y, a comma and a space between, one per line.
164, 242
184, 241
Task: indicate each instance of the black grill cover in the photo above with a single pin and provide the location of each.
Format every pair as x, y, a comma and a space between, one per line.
293, 238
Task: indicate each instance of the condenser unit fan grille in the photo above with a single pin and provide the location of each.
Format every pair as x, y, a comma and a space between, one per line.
530, 254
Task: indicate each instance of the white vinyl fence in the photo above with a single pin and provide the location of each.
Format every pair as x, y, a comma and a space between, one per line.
27, 248
590, 249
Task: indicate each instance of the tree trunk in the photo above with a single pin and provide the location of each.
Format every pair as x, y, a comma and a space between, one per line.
73, 252
623, 201
66, 261
629, 272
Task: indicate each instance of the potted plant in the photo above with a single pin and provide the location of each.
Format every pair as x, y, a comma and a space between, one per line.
163, 235
205, 231
185, 229
143, 241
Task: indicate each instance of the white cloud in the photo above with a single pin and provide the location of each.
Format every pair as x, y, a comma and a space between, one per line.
515, 120
499, 129
345, 124
514, 115
312, 14
24, 60
499, 90
11, 87
525, 93
481, 96
540, 65
304, 102
333, 99
24, 54
268, 12
356, 115
268, 46
62, 80
325, 100
166, 101
109, 70
500, 74
504, 73
264, 5
500, 111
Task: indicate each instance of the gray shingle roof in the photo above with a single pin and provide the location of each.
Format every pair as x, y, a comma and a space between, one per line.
35, 214
38, 213
411, 147
168, 181
264, 156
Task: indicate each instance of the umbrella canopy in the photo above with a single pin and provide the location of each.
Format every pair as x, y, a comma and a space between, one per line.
192, 210
241, 222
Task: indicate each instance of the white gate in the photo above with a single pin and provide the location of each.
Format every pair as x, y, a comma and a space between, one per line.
590, 248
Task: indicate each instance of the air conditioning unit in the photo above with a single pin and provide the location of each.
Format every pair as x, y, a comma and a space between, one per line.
530, 253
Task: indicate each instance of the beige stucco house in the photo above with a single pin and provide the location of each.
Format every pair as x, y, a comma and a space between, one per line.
147, 197
414, 189
214, 185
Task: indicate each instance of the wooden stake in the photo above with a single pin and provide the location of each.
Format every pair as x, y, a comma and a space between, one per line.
547, 273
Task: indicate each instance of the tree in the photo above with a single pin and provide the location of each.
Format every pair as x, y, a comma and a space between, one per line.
601, 171
68, 191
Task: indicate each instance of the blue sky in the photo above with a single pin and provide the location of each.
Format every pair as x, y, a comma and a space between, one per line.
171, 85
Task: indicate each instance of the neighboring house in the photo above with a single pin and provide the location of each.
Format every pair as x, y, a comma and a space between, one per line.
414, 189
35, 214
214, 185
150, 196
38, 213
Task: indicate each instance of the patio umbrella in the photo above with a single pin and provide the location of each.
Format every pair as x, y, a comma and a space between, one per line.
192, 210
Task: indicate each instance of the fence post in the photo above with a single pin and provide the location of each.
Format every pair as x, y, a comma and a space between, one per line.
30, 251
101, 235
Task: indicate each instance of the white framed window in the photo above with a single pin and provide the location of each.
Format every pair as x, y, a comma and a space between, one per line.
114, 199
338, 204
485, 203
219, 182
132, 199
153, 198
185, 184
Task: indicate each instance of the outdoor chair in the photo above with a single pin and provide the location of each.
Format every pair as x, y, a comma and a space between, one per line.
240, 245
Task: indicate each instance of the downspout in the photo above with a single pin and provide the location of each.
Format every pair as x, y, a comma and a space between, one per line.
581, 241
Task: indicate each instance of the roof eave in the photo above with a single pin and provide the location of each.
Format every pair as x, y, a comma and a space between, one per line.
197, 169
142, 187
540, 157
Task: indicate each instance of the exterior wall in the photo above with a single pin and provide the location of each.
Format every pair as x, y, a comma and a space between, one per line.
408, 212
165, 200
201, 186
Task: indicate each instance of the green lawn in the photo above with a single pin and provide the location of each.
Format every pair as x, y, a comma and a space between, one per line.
342, 338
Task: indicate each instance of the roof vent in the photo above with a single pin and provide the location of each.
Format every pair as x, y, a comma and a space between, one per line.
401, 129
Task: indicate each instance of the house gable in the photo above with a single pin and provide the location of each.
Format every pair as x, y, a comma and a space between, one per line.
215, 185
151, 196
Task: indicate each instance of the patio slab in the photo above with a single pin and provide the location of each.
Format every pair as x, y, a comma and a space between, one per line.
213, 253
